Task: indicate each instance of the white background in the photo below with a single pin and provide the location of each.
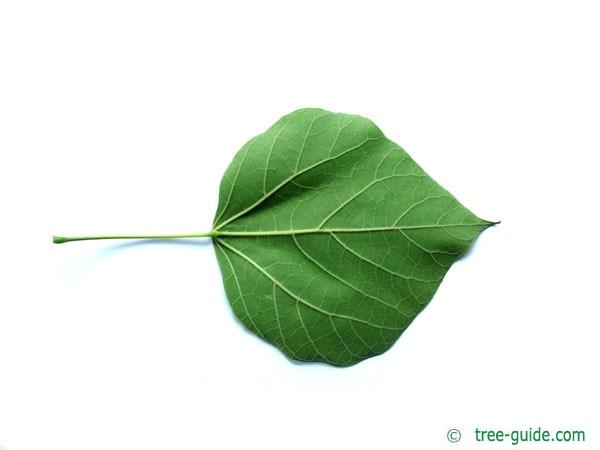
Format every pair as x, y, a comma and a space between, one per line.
121, 116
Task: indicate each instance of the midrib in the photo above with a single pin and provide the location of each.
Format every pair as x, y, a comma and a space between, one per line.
221, 233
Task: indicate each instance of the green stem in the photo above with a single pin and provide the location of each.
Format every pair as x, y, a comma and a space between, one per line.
63, 239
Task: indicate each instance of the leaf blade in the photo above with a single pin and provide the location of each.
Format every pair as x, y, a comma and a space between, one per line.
336, 239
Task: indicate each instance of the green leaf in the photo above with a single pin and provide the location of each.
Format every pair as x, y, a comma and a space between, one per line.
331, 239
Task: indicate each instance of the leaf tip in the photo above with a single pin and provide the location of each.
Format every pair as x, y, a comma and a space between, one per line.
58, 240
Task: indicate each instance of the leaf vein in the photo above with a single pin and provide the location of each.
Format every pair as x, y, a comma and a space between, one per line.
373, 263
269, 156
290, 178
235, 277
362, 191
341, 280
296, 297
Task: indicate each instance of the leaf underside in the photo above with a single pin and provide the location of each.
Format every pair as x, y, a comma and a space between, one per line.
331, 239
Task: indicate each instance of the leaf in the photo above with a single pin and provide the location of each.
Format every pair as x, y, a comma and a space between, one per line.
331, 239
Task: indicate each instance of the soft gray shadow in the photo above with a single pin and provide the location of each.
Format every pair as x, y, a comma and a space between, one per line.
115, 248
194, 242
98, 255
469, 250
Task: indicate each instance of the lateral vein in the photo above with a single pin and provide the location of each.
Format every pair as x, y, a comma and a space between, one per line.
296, 297
290, 178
